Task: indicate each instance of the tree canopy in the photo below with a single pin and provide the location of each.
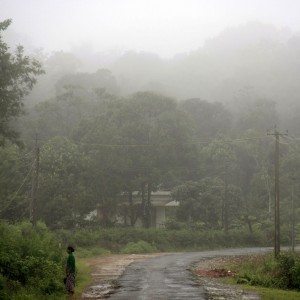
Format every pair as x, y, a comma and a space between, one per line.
18, 76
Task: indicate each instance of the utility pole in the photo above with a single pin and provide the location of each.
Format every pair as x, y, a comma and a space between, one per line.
293, 216
225, 201
277, 135
34, 185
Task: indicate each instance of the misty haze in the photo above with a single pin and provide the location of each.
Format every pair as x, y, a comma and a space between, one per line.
149, 148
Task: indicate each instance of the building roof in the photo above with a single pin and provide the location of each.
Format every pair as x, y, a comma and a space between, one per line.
157, 193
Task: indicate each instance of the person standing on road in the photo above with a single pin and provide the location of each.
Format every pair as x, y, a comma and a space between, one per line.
70, 271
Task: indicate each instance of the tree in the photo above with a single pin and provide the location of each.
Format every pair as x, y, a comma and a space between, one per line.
136, 144
63, 193
17, 77
14, 179
258, 115
220, 161
202, 202
210, 118
102, 80
155, 121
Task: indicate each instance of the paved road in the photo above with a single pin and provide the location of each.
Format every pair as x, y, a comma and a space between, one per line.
167, 277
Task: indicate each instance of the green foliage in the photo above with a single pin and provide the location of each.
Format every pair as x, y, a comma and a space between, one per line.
30, 259
204, 202
17, 77
210, 119
138, 247
114, 239
91, 251
283, 272
61, 192
13, 169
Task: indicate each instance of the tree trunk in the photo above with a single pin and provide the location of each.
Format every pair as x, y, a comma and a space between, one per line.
143, 204
148, 205
225, 205
131, 208
249, 223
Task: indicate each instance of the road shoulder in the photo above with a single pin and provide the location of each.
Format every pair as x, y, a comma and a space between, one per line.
208, 273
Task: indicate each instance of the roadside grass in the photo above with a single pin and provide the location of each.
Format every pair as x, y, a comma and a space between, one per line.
84, 277
274, 294
265, 293
271, 278
91, 251
165, 240
138, 247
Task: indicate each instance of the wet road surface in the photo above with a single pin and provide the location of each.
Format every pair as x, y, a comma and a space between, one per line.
168, 277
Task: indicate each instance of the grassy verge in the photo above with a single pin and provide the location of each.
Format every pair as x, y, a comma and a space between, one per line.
271, 278
164, 240
84, 277
91, 251
82, 281
266, 293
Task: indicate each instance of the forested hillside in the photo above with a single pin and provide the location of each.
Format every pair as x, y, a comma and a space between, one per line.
97, 142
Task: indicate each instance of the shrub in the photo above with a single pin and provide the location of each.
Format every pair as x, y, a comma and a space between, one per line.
139, 247
30, 259
283, 272
114, 239
94, 251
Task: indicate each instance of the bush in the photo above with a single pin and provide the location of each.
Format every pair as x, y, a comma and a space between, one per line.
139, 247
30, 259
283, 272
93, 251
114, 239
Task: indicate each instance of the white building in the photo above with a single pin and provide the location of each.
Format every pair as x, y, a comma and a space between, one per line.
161, 205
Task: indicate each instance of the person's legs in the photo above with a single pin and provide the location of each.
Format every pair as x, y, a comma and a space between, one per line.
70, 284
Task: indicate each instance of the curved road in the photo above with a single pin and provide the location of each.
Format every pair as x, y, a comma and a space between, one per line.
168, 277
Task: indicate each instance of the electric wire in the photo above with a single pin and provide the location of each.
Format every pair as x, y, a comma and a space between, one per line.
193, 142
18, 190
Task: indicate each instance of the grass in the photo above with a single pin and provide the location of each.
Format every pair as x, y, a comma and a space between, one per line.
268, 277
114, 239
266, 293
83, 280
138, 247
91, 251
84, 277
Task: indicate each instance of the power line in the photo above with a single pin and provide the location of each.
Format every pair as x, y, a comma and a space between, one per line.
18, 190
194, 142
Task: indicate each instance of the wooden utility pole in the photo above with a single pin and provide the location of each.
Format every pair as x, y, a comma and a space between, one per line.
35, 182
225, 204
277, 136
293, 217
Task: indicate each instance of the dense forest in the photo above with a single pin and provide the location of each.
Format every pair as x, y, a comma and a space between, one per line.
97, 141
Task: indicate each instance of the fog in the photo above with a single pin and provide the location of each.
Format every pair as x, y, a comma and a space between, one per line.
162, 27
226, 51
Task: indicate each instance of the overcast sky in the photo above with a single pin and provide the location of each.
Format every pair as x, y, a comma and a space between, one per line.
166, 27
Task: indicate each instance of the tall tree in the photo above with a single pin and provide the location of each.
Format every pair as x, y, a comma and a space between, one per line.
17, 77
